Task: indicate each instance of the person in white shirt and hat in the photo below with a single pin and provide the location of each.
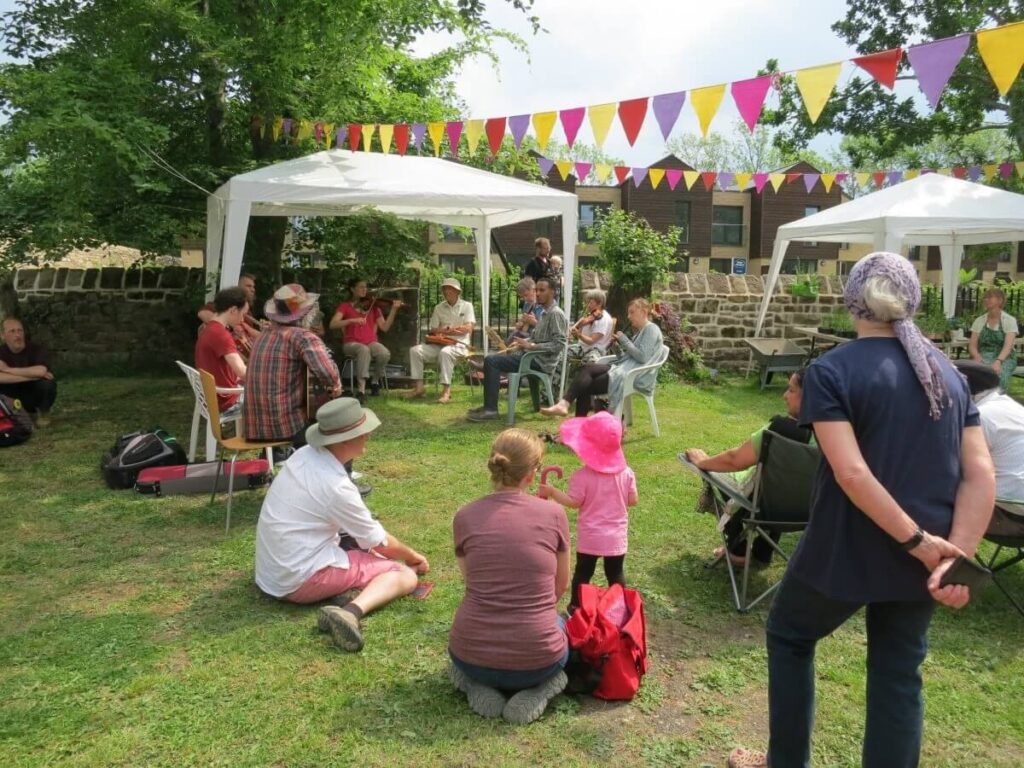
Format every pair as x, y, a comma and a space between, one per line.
310, 508
453, 321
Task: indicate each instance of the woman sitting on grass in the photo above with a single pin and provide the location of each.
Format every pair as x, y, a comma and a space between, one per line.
507, 643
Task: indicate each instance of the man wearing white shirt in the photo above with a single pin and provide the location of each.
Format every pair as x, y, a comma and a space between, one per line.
452, 319
311, 504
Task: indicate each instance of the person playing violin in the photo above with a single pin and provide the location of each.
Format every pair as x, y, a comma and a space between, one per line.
359, 320
593, 333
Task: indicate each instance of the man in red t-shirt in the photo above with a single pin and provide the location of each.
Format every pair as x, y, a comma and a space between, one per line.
248, 330
216, 351
359, 335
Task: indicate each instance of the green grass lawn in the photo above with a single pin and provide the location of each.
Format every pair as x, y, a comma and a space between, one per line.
132, 633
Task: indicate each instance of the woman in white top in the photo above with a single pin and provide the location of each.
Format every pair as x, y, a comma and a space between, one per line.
992, 337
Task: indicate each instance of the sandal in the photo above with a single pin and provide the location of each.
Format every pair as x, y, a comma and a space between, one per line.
742, 757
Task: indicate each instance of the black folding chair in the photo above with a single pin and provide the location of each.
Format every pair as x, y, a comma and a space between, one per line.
1006, 531
779, 502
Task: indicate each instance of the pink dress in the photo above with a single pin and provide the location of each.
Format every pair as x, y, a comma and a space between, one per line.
603, 524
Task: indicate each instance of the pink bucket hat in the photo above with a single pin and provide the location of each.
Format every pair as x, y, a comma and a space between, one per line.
597, 440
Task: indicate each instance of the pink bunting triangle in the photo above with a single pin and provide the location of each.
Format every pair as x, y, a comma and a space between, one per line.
841, 177
673, 175
760, 179
1006, 170
933, 63
545, 166
583, 170
572, 119
811, 181
749, 96
454, 130
666, 110
639, 174
518, 124
419, 130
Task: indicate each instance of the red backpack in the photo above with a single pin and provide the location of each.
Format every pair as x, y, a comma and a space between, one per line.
610, 634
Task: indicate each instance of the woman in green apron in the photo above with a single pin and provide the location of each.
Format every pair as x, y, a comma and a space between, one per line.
992, 337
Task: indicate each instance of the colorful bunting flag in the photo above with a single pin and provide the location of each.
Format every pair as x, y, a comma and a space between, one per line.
563, 166
340, 134
879, 178
286, 128
543, 124
933, 63
743, 180
815, 85
1006, 170
602, 172
631, 114
1020, 169
639, 174
862, 179
894, 177
583, 170
882, 66
990, 171
959, 172
827, 180
708, 177
435, 131
726, 180
306, 130
811, 181
777, 180
672, 176
1002, 50
791, 177
474, 130
402, 138
572, 119
974, 172
386, 134
454, 130
621, 172
908, 175
495, 129
656, 175
600, 116
545, 166
277, 128
518, 124
749, 96
690, 178
706, 102
328, 134
418, 131
368, 129
666, 110
760, 179
355, 133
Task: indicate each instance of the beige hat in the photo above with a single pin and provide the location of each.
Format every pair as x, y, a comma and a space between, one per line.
339, 421
451, 282
290, 303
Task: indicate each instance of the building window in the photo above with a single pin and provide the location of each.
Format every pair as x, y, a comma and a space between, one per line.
721, 266
682, 264
798, 266
810, 210
727, 225
682, 219
844, 267
914, 254
590, 214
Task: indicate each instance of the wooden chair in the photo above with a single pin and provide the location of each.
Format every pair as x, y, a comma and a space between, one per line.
234, 444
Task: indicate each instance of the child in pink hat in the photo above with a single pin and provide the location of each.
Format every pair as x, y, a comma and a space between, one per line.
603, 489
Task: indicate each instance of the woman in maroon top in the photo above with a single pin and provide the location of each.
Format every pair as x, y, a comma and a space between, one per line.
507, 643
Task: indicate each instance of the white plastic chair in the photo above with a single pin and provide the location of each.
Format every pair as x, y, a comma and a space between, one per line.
201, 411
626, 404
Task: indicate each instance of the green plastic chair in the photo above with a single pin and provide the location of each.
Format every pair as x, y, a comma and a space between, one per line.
534, 377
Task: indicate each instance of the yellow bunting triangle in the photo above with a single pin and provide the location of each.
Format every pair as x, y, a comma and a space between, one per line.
436, 131
563, 166
601, 116
777, 179
305, 130
945, 172
278, 127
655, 175
990, 171
1002, 50
328, 134
1020, 170
387, 131
815, 85
543, 123
911, 174
742, 179
602, 171
828, 179
862, 179
705, 103
368, 129
690, 178
474, 130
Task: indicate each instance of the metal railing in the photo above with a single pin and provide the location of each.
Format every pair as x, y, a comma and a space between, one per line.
969, 300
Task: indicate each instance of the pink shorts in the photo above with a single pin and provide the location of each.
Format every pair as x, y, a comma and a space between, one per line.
363, 567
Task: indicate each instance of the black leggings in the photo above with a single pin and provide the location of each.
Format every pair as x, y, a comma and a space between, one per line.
585, 565
589, 381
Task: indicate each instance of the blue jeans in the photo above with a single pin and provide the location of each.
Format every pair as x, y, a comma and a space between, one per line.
494, 366
897, 644
512, 679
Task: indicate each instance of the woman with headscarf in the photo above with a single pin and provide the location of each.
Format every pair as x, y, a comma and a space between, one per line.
906, 486
993, 336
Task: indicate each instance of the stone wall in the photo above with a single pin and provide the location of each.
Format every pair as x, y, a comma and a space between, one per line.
111, 318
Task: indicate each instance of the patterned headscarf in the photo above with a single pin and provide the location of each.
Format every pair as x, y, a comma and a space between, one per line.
922, 353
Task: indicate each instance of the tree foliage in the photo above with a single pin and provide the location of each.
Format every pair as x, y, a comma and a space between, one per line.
740, 151
633, 253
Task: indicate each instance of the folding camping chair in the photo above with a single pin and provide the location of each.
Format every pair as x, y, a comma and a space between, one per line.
779, 502
1006, 531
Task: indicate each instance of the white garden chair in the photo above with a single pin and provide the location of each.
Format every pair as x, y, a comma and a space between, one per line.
625, 406
201, 412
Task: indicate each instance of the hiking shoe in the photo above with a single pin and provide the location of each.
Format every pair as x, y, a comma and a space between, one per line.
343, 626
484, 700
341, 601
483, 414
527, 705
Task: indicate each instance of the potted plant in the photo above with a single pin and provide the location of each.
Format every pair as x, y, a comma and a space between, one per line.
806, 285
837, 322
933, 324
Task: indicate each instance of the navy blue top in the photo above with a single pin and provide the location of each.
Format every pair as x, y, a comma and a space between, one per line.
870, 383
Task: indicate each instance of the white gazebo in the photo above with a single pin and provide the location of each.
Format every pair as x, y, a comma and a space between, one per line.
929, 210
339, 183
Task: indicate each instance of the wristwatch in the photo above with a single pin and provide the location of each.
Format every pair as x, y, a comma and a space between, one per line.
913, 541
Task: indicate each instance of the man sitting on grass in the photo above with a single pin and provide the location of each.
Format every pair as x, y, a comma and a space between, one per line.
25, 373
311, 507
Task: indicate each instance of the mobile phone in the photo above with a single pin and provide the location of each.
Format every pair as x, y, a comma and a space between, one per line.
422, 590
966, 571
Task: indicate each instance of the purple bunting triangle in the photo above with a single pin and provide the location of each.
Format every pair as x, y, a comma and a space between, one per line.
933, 63
583, 170
572, 119
726, 180
340, 134
673, 175
518, 124
810, 181
974, 172
749, 96
895, 177
760, 179
286, 127
1006, 170
666, 110
639, 174
545, 166
419, 130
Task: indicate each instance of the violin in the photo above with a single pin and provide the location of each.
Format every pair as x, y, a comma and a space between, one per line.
372, 300
587, 319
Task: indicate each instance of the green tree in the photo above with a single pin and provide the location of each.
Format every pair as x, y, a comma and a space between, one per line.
740, 151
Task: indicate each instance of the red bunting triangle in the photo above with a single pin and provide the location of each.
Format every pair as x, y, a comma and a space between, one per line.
791, 177
402, 137
960, 172
495, 129
879, 178
621, 172
631, 115
882, 66
708, 177
355, 133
